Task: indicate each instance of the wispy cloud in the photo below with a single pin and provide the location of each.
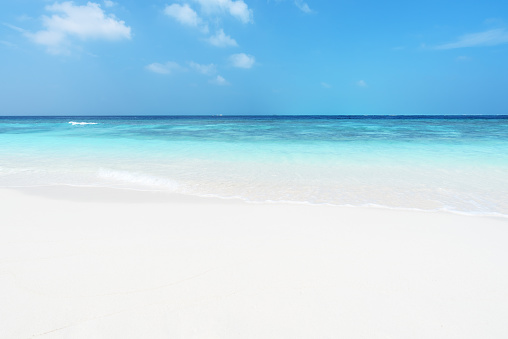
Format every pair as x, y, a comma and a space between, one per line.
15, 28
492, 37
242, 60
220, 39
7, 44
203, 69
109, 3
185, 15
219, 81
23, 17
166, 68
494, 21
237, 9
463, 58
326, 85
303, 6
361, 83
83, 22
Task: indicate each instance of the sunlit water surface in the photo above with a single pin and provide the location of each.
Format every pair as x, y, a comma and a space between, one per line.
457, 164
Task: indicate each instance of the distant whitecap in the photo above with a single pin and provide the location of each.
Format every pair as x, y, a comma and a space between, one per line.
82, 123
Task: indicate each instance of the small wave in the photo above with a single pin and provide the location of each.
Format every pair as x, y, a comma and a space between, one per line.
73, 123
137, 178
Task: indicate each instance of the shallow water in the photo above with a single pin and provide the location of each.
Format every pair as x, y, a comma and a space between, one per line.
426, 162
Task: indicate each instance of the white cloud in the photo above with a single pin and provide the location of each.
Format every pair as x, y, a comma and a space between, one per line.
220, 39
219, 81
488, 38
185, 15
82, 22
361, 83
203, 69
210, 11
303, 6
109, 3
326, 85
167, 68
242, 60
237, 9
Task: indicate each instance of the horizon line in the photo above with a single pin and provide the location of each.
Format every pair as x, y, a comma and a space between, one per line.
257, 115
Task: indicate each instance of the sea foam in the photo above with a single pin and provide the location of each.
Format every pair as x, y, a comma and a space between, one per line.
137, 178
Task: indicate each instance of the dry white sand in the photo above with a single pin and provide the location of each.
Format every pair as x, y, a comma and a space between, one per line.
98, 263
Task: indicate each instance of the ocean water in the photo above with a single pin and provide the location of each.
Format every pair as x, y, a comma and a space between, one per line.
457, 163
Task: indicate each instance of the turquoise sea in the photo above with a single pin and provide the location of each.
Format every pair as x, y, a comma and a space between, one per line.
452, 163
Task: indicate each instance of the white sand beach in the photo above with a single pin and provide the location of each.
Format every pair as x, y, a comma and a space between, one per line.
103, 263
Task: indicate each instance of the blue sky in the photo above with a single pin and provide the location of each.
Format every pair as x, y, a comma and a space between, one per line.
253, 57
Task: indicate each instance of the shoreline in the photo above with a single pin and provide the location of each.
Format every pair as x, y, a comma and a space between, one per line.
96, 262
82, 193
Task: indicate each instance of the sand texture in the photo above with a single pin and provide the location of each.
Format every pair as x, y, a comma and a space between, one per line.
100, 263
